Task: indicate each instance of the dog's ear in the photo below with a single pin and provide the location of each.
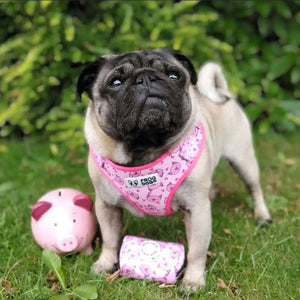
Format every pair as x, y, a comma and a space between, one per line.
212, 83
184, 61
188, 65
87, 77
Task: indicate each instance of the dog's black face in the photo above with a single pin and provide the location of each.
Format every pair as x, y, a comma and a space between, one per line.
140, 98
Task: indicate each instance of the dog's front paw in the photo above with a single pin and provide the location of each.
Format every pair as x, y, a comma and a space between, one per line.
105, 264
262, 216
190, 285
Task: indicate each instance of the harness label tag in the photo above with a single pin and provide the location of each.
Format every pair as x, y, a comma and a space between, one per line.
142, 181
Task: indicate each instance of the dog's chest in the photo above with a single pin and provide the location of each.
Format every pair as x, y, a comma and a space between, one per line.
151, 187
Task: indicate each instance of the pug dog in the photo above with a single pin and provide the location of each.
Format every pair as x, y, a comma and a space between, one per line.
145, 104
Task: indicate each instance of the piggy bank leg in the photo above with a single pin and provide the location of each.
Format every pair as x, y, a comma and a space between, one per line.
110, 220
88, 250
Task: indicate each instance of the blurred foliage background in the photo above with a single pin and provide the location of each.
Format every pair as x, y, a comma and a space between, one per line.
256, 42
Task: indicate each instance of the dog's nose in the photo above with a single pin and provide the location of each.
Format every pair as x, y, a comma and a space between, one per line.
145, 79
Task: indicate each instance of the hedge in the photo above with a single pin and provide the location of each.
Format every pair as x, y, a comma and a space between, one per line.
257, 43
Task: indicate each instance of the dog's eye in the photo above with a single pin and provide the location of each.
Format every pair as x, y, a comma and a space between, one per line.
174, 75
116, 82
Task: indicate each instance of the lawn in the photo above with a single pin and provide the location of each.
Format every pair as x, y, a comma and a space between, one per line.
244, 261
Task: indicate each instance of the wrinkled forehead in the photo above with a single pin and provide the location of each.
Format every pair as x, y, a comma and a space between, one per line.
141, 59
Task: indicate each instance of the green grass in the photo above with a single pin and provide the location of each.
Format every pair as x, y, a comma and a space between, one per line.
260, 263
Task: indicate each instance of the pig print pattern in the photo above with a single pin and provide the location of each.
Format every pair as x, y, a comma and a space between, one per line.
142, 258
151, 187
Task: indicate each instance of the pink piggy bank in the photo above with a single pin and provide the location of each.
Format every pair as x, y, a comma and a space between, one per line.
63, 221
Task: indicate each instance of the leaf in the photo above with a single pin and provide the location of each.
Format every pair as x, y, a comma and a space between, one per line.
6, 287
184, 5
297, 187
30, 7
233, 288
264, 126
54, 149
281, 66
55, 287
227, 231
263, 7
165, 286
51, 277
293, 33
53, 81
290, 162
86, 292
283, 9
211, 254
292, 106
25, 65
253, 111
53, 261
279, 28
127, 19
12, 43
6, 186
293, 118
263, 26
45, 3
3, 148
69, 30
295, 75
59, 297
221, 283
281, 156
55, 19
276, 203
155, 33
111, 278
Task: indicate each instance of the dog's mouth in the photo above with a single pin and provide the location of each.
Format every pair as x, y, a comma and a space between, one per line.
155, 102
154, 114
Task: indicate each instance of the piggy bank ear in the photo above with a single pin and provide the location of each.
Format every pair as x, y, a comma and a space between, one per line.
39, 209
83, 201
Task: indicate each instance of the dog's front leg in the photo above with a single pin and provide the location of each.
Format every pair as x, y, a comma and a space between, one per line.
110, 220
198, 230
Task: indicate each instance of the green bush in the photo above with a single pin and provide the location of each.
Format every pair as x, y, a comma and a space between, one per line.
266, 40
256, 42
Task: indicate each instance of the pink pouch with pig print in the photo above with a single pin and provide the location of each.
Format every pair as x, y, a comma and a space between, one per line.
142, 258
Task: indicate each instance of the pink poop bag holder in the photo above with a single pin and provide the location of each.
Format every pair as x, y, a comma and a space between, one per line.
142, 258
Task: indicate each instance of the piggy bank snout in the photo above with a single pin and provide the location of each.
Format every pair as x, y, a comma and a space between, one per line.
67, 243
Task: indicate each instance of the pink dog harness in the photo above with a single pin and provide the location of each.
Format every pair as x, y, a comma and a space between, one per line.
150, 187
